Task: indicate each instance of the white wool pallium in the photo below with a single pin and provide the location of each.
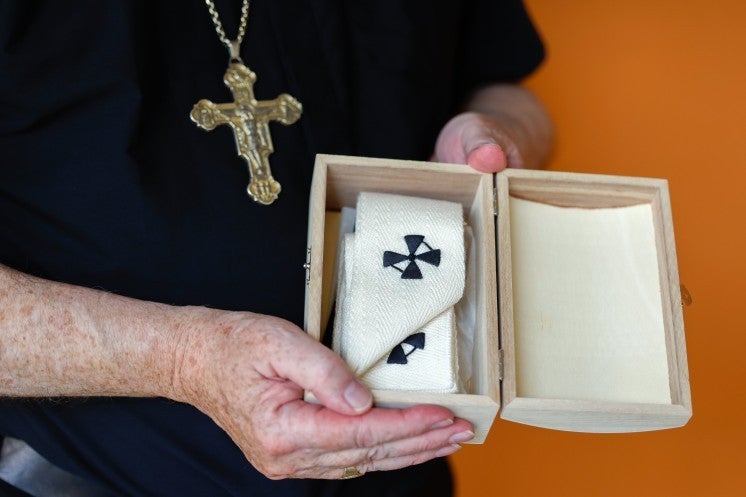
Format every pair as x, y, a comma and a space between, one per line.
379, 305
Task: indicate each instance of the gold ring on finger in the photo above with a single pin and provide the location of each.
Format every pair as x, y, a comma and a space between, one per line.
349, 473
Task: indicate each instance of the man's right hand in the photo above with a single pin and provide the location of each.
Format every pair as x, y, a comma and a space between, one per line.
248, 373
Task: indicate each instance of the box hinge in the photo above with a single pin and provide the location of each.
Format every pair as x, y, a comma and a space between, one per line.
494, 201
307, 266
500, 364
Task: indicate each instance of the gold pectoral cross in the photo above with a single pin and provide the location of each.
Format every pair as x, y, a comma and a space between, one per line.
249, 120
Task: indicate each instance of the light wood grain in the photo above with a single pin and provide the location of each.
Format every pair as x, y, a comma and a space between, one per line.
505, 288
486, 339
316, 219
331, 233
348, 176
594, 417
671, 302
589, 191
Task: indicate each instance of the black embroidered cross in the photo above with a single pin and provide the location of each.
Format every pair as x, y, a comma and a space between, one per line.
412, 271
399, 356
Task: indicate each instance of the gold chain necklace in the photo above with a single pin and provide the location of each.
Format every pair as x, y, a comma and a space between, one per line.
247, 117
233, 46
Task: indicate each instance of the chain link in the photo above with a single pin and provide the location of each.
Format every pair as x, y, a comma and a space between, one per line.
219, 26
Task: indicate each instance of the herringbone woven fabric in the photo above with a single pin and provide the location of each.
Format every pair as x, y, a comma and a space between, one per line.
433, 369
381, 303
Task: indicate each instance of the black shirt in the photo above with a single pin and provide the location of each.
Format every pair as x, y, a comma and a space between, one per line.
106, 183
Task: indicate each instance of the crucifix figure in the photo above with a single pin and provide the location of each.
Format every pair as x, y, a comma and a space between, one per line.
249, 120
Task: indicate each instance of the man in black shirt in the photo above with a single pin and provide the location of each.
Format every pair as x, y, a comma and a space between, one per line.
123, 228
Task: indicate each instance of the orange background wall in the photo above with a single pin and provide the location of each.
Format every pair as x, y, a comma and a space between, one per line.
650, 88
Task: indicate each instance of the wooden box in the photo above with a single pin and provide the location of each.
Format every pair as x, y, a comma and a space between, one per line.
588, 340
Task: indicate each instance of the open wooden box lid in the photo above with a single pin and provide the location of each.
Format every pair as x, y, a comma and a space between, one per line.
591, 323
507, 361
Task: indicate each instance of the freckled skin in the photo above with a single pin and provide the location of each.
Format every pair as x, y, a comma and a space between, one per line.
246, 371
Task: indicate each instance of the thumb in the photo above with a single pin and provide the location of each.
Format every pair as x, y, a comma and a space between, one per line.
317, 369
475, 139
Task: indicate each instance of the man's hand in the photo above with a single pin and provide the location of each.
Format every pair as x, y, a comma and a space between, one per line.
249, 377
246, 371
479, 141
503, 126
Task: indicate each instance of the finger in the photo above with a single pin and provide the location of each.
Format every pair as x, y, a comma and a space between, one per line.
458, 432
449, 147
336, 472
314, 367
475, 139
488, 158
481, 145
390, 464
318, 427
411, 460
313, 463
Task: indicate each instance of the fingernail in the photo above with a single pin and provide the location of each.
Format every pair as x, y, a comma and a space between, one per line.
357, 396
463, 436
447, 450
442, 424
487, 158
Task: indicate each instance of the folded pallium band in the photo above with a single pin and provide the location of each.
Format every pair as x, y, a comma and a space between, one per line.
401, 273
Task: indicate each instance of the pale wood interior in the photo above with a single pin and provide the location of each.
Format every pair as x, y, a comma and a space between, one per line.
590, 194
346, 181
594, 409
588, 321
329, 278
